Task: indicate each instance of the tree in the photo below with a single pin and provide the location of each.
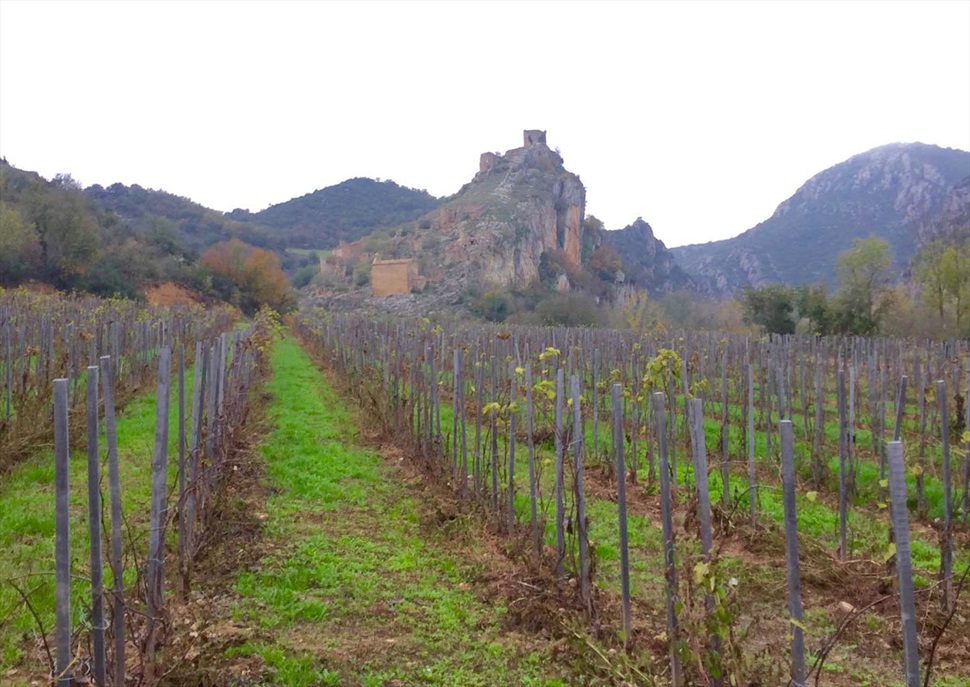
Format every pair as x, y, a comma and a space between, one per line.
942, 269
265, 281
770, 307
255, 273
605, 263
812, 304
955, 266
495, 305
864, 292
67, 230
19, 246
570, 310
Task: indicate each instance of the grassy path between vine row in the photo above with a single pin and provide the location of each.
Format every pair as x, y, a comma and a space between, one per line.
359, 583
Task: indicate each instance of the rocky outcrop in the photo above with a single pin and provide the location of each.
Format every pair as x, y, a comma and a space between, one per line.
520, 205
888, 191
647, 263
953, 219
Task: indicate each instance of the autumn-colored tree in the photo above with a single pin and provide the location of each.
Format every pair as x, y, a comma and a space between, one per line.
605, 263
264, 279
255, 273
227, 258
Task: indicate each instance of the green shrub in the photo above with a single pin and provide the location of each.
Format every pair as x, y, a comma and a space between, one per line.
571, 310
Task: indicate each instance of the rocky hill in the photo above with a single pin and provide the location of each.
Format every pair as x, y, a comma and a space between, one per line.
647, 262
518, 207
889, 191
344, 212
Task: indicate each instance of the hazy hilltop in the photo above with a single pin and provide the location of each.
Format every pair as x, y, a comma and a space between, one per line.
891, 191
344, 212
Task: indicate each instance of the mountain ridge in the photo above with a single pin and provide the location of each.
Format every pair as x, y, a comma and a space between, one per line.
888, 191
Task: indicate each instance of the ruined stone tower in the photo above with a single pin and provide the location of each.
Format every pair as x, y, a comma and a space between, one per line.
533, 137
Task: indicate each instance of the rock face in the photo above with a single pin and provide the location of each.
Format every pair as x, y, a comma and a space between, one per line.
647, 263
953, 220
888, 191
520, 205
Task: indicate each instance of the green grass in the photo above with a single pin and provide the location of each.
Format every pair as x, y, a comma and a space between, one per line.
27, 522
356, 590
320, 252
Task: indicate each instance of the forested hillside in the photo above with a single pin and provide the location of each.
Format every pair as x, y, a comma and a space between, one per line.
123, 240
195, 226
52, 232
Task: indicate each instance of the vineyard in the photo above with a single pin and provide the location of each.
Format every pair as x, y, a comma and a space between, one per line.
668, 508
815, 454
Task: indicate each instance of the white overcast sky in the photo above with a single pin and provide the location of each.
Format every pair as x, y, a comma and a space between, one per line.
698, 116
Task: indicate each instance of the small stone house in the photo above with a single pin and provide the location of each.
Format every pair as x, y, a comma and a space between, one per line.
394, 277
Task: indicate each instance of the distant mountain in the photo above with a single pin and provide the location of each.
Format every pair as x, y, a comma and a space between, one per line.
344, 212
647, 262
889, 191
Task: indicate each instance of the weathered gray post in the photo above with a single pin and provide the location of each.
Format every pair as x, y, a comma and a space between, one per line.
791, 553
195, 448
156, 534
493, 432
114, 489
455, 414
965, 501
560, 460
946, 546
666, 516
94, 530
181, 458
904, 564
595, 396
617, 402
533, 482
581, 533
62, 537
511, 464
703, 503
843, 441
725, 467
752, 477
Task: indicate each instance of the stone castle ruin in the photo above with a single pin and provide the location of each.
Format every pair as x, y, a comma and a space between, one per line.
533, 137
